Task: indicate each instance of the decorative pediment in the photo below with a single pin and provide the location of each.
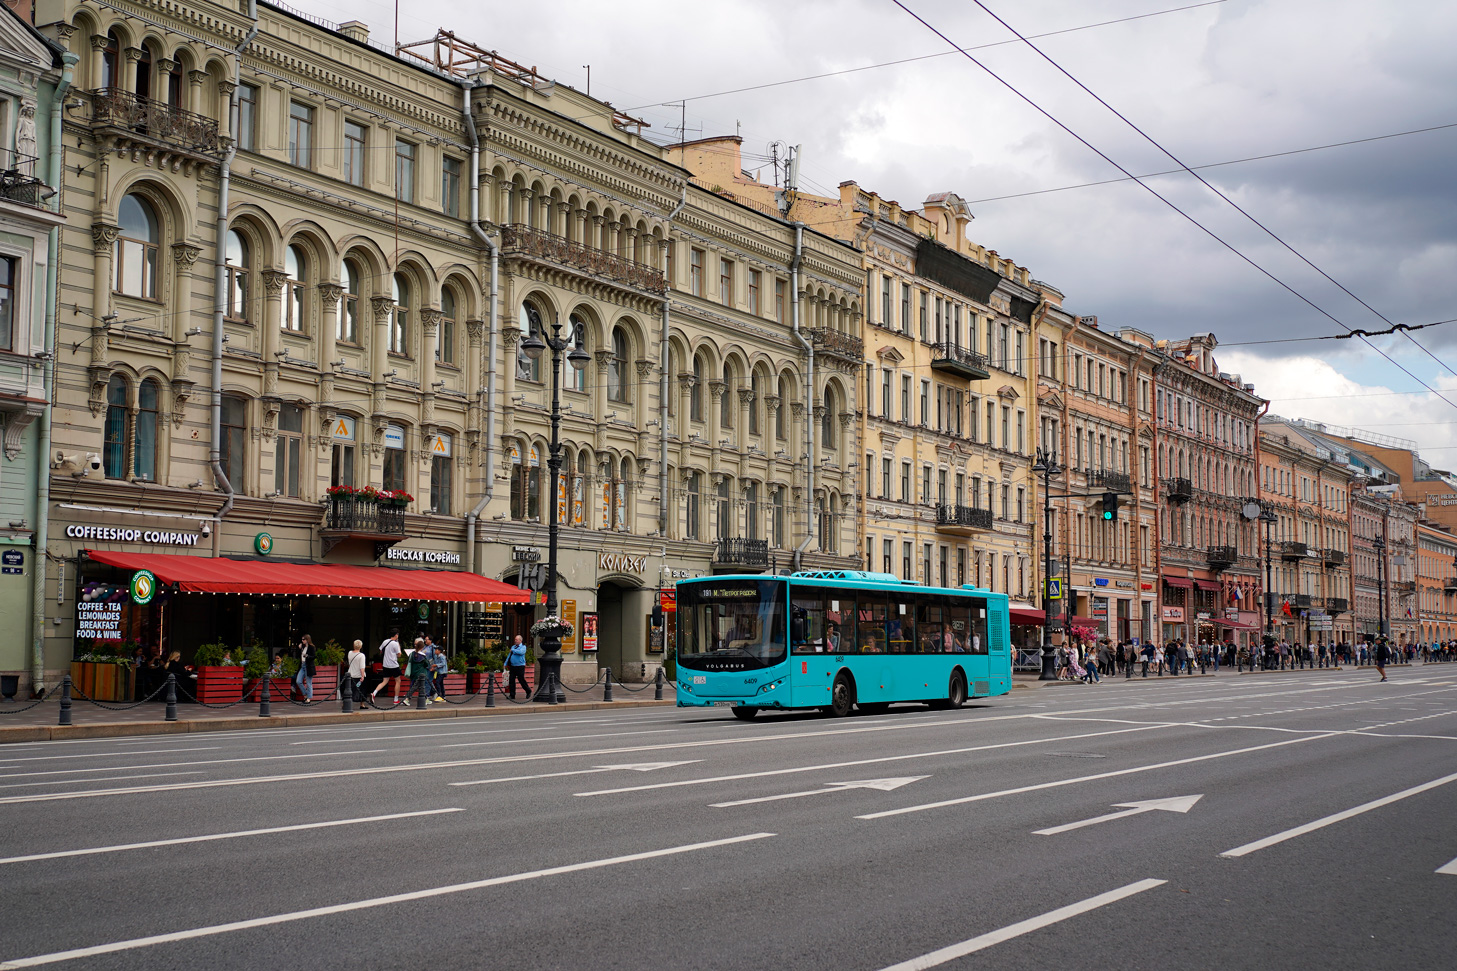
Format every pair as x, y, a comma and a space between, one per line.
1047, 398
1145, 430
1007, 393
889, 437
890, 355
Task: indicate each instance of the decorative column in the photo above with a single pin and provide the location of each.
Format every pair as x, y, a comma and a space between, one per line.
746, 401
225, 116
195, 80
98, 57
510, 342
599, 397
430, 318
133, 58
185, 254
714, 418
474, 389
103, 239
330, 294
686, 381
379, 348
273, 281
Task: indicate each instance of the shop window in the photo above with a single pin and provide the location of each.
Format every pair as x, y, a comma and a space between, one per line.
341, 452
394, 459
441, 466
445, 340
136, 248
296, 267
234, 440
525, 483
288, 450
239, 264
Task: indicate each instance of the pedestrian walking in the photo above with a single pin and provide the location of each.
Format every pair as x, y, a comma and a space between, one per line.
306, 670
419, 672
440, 665
391, 664
1383, 654
355, 674
516, 669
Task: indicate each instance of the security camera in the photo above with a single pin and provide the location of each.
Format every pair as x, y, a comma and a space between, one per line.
93, 462
207, 529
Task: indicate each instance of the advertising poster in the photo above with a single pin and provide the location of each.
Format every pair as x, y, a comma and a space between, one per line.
589, 633
569, 614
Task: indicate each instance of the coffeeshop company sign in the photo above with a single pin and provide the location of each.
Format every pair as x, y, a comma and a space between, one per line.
143, 587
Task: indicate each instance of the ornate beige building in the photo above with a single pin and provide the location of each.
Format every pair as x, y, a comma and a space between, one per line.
295, 261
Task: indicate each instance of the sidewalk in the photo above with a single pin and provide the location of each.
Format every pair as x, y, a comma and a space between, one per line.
89, 720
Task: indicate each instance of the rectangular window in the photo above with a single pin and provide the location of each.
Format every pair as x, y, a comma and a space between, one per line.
905, 308
7, 303
925, 402
394, 460
695, 272
288, 446
450, 187
780, 289
726, 282
926, 484
440, 482
885, 393
906, 398
754, 278
1020, 365
924, 334
247, 117
355, 135
300, 134
1021, 432
885, 301
235, 440
905, 482
885, 478
906, 561
1006, 428
404, 170
926, 563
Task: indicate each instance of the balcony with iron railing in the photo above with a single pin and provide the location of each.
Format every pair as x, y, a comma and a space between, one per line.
949, 358
962, 520
18, 181
1110, 480
1222, 556
1449, 585
135, 116
743, 555
1301, 601
1293, 550
382, 524
833, 343
1337, 605
1180, 490
524, 242
1334, 557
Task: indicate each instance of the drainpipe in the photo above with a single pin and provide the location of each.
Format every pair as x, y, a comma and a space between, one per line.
811, 533
475, 225
663, 392
220, 290
43, 445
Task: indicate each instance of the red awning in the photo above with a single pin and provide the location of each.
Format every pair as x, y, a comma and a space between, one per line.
1182, 582
1206, 584
202, 574
1027, 615
1237, 625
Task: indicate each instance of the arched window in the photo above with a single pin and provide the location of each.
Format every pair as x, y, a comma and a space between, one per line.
827, 420
754, 403
526, 368
239, 263
579, 489
620, 497
296, 267
692, 514
724, 513
695, 393
144, 435
525, 482
577, 380
617, 367
110, 63
174, 84
400, 317
780, 425
113, 450
445, 340
347, 325
727, 399
136, 248
751, 510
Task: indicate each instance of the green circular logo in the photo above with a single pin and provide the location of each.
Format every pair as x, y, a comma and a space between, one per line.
423, 610
144, 587
263, 543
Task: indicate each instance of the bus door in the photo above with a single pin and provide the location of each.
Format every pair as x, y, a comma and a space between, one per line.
812, 644
871, 661
971, 613
1000, 634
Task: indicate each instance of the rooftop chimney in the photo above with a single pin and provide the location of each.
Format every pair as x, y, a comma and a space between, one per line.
355, 30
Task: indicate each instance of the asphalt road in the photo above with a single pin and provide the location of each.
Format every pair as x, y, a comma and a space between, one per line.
667, 838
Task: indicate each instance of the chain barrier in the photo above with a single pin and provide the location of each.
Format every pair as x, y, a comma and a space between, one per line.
247, 695
501, 692
77, 693
16, 711
645, 686
581, 691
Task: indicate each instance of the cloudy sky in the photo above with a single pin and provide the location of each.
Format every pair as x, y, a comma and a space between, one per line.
1213, 83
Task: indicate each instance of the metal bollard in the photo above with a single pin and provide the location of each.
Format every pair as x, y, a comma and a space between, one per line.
66, 700
607, 686
491, 689
346, 693
658, 686
265, 708
420, 696
171, 714
551, 689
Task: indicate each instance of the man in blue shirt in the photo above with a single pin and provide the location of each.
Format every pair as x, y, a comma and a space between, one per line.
516, 669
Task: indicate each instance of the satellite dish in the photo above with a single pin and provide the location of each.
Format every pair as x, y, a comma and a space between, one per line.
1251, 510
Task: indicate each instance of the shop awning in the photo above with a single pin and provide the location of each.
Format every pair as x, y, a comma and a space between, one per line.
1237, 625
1026, 614
1206, 584
1183, 583
203, 574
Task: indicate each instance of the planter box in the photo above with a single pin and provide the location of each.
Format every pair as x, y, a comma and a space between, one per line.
476, 683
220, 684
455, 684
326, 682
102, 682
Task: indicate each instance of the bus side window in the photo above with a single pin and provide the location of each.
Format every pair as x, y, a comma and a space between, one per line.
929, 625
979, 610
807, 621
960, 625
901, 626
840, 622
870, 624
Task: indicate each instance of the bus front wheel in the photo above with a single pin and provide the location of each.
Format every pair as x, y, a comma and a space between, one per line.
744, 712
842, 696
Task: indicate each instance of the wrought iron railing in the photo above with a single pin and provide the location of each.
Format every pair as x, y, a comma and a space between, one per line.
1181, 490
949, 352
1337, 605
519, 240
737, 551
1110, 480
183, 129
1222, 555
968, 516
1301, 600
18, 181
1293, 550
358, 516
1335, 557
840, 345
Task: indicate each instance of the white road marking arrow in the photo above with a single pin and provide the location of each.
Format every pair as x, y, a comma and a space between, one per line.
1175, 804
1450, 868
631, 766
883, 785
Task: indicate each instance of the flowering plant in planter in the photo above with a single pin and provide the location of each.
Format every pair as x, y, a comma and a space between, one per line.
367, 494
551, 626
341, 492
397, 497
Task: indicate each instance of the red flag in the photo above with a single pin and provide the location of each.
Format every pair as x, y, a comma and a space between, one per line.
1285, 608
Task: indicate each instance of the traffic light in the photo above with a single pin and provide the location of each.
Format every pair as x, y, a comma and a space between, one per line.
1110, 507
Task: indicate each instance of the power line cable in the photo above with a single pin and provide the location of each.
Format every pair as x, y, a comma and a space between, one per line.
1165, 200
1237, 207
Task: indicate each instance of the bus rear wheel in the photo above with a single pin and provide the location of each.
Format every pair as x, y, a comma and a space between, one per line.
955, 695
744, 712
842, 696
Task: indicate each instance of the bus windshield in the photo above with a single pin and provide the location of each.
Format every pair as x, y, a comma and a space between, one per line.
731, 624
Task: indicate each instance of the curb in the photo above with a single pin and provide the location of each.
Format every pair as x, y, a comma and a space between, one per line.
43, 733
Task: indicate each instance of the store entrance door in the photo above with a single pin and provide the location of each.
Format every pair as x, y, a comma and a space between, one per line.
610, 632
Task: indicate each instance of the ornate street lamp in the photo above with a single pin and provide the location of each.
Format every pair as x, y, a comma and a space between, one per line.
532, 347
1047, 467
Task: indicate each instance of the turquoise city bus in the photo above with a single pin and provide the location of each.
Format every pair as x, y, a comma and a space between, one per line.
837, 640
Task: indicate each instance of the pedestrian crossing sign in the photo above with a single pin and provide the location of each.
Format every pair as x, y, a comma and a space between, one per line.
1054, 588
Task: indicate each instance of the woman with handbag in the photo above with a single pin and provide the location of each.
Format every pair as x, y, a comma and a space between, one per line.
306, 670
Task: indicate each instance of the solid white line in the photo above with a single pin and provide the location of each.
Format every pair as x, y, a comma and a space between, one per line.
1027, 926
1450, 868
844, 765
1311, 827
374, 735
559, 738
72, 782
173, 765
526, 778
1069, 827
399, 898
99, 755
1090, 778
223, 836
